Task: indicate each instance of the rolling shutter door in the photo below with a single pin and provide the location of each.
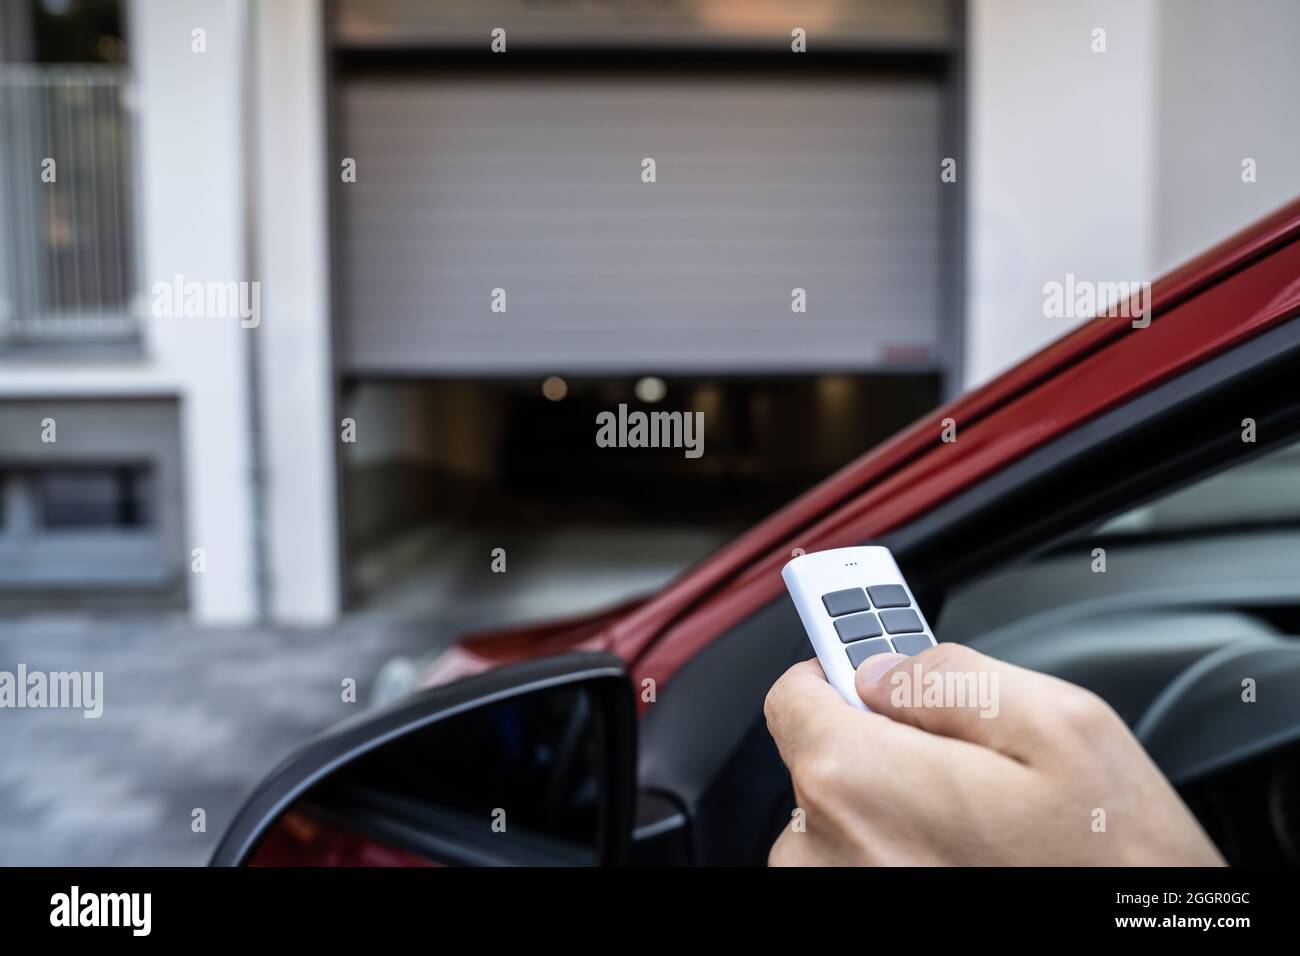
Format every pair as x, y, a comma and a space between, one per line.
532, 184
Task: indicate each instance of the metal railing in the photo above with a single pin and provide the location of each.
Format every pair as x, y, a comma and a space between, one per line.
67, 206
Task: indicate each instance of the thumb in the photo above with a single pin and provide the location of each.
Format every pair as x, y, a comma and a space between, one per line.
954, 691
872, 681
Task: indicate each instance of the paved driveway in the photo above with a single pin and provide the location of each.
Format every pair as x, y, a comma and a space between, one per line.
195, 716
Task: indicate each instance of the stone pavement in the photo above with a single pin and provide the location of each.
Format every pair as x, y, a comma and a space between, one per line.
195, 716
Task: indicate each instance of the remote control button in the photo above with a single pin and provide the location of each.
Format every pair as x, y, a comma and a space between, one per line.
860, 651
846, 601
901, 621
910, 644
889, 595
857, 627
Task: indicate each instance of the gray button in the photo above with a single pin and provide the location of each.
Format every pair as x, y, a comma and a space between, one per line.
910, 644
857, 627
846, 601
889, 595
901, 621
860, 651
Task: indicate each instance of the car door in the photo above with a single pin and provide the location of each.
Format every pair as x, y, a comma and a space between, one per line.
1111, 417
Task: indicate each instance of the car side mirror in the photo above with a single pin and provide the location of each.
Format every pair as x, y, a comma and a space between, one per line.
532, 764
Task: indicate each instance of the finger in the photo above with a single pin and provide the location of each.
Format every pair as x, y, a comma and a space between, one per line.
807, 717
800, 707
957, 692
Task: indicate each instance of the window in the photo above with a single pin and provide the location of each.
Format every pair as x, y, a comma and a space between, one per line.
67, 255
99, 514
76, 31
93, 497
82, 498
1258, 493
1226, 544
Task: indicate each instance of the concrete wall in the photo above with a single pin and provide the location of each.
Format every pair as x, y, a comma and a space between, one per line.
1059, 163
1227, 87
1118, 165
299, 433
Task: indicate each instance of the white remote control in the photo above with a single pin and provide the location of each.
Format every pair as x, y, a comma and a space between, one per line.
854, 603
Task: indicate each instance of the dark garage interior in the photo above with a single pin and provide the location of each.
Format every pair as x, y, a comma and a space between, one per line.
450, 464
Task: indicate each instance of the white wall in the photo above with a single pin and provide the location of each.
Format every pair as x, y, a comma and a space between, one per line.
299, 434
1119, 165
1059, 163
192, 224
1228, 88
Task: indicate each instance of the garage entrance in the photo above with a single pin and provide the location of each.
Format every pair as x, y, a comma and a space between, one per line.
655, 205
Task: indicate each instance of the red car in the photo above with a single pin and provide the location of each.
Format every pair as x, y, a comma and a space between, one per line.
1121, 509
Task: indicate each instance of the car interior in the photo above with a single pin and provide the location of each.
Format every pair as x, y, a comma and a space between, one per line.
1136, 607
1152, 556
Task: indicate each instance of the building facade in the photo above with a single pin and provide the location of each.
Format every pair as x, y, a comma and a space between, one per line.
228, 229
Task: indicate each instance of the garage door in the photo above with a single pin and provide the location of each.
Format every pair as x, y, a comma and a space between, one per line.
533, 185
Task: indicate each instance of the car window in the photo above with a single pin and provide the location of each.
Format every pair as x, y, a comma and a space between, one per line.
1265, 491
1227, 543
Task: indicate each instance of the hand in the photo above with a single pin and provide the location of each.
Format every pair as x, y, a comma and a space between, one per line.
1051, 776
